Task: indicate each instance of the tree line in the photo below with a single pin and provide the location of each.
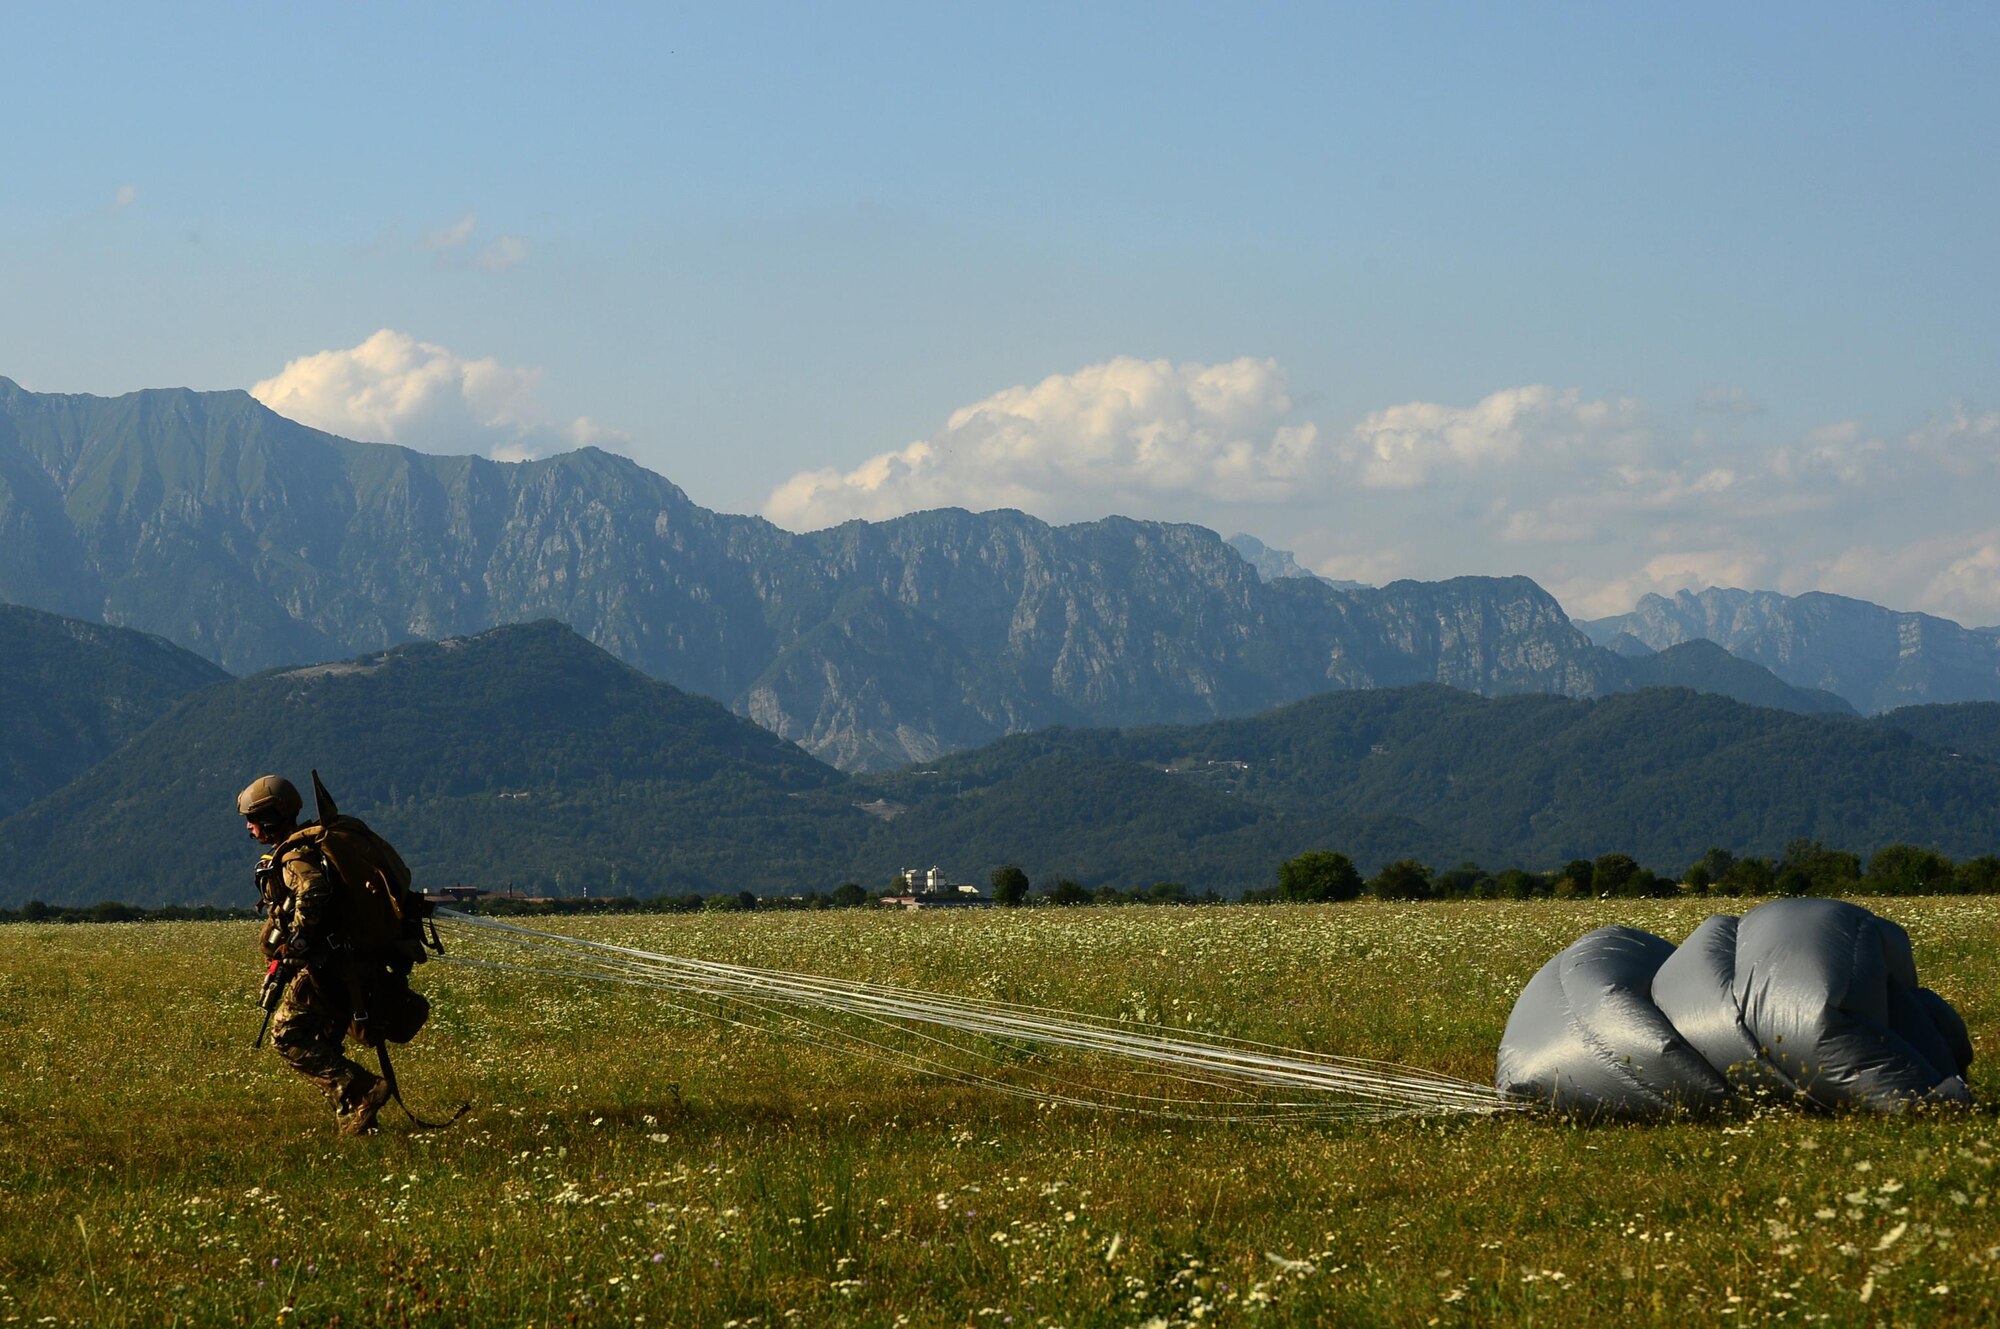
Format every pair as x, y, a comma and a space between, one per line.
1807, 867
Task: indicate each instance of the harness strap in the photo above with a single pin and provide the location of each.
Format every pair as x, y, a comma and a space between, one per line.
389, 1075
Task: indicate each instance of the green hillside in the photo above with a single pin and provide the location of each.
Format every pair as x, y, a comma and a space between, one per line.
524, 754
71, 692
1440, 775
1970, 728
527, 756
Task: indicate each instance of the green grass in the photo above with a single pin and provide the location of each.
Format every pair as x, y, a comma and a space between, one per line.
628, 1163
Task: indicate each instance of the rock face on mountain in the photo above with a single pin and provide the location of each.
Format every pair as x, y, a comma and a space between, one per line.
256, 542
1876, 658
71, 692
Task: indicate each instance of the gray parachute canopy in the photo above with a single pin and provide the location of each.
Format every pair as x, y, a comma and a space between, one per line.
1816, 1001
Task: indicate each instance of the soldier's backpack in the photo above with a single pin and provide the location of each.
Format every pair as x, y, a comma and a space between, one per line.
378, 913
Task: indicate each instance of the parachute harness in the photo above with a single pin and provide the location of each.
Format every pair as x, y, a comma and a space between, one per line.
1026, 1051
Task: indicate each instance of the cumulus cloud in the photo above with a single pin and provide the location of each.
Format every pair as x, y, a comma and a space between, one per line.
1405, 446
1955, 575
1897, 519
393, 388
1122, 435
1596, 497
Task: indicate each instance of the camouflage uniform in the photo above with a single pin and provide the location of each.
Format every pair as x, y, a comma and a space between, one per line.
310, 1025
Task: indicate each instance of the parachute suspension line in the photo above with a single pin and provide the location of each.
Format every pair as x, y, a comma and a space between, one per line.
1001, 1046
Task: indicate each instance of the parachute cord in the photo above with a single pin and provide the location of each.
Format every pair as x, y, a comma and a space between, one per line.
1238, 1074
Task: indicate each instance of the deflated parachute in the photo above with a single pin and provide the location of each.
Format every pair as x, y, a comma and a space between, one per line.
1813, 1000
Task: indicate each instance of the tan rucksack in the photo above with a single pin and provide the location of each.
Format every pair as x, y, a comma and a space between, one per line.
377, 911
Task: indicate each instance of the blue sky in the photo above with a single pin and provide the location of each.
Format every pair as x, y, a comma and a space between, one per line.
1623, 299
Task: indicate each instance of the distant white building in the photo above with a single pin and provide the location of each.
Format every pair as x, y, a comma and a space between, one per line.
928, 889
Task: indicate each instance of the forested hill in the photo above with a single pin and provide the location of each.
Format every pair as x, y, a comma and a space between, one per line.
71, 692
527, 755
1442, 775
1968, 728
256, 542
523, 753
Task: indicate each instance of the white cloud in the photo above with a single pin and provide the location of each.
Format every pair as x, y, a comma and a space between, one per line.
1954, 575
1665, 574
1969, 587
1595, 497
1405, 446
454, 245
454, 235
501, 254
1127, 434
126, 196
393, 388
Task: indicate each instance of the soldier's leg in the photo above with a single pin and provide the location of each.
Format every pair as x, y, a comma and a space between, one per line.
307, 1029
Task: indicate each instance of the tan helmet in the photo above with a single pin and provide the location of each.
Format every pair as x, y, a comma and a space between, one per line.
270, 798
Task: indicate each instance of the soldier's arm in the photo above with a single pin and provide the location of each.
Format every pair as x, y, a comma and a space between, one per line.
309, 905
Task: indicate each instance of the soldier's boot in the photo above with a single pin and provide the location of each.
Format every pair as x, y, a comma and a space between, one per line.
360, 1118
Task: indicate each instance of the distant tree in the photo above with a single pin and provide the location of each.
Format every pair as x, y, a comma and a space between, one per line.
1515, 884
1705, 874
1467, 881
1405, 879
1810, 868
1065, 891
1578, 878
1614, 874
1172, 892
1318, 874
849, 895
1010, 884
1747, 876
1977, 876
1109, 894
1906, 869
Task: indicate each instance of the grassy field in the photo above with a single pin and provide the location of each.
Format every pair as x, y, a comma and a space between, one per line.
628, 1163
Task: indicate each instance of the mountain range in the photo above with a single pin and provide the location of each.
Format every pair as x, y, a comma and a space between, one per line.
526, 756
1876, 659
254, 542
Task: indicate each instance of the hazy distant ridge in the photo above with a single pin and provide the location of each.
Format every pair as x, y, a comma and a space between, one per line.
1876, 658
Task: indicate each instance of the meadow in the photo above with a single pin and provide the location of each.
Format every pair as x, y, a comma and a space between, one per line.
628, 1162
